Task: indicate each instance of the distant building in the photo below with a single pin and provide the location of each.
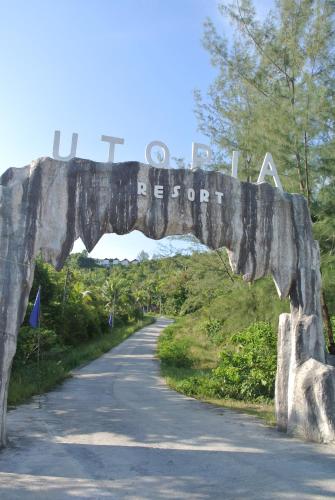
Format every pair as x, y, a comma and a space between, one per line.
115, 262
103, 262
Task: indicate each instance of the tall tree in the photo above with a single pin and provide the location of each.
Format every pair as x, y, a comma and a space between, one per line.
274, 89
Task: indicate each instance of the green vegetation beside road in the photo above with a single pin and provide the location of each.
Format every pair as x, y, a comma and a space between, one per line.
28, 379
76, 304
236, 371
221, 348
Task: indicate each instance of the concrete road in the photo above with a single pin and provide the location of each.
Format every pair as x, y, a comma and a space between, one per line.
115, 430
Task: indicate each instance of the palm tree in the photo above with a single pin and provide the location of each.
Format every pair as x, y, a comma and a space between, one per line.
112, 291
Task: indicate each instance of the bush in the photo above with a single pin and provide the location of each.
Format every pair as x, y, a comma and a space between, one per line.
174, 352
213, 330
27, 344
78, 323
248, 369
201, 385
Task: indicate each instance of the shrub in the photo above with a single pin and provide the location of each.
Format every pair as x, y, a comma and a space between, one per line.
174, 352
213, 330
199, 385
78, 323
28, 340
248, 369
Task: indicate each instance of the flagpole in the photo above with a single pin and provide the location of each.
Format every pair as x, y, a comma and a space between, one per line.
38, 354
35, 322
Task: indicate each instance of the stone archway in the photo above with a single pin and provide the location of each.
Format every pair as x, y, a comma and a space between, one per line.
46, 206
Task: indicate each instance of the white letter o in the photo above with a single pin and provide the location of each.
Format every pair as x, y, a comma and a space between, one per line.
166, 154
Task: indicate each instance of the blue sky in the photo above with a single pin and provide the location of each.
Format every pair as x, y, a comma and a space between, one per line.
125, 68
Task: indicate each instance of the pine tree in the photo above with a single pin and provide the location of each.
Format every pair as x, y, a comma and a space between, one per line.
274, 89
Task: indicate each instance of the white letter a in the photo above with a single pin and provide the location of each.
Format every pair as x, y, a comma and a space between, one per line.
269, 168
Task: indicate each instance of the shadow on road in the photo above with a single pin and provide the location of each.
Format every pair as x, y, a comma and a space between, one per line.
116, 431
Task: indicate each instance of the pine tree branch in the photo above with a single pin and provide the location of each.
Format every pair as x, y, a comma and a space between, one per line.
257, 44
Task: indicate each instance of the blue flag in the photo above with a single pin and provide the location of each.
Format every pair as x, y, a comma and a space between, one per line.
34, 319
110, 320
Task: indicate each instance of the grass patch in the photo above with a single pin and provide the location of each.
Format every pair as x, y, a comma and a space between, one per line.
178, 379
263, 411
26, 381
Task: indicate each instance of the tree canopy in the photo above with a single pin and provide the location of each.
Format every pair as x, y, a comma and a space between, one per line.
274, 91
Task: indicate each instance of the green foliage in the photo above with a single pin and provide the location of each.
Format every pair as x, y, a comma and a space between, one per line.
201, 352
201, 385
274, 91
248, 371
323, 211
43, 278
244, 370
84, 261
30, 339
28, 379
214, 331
173, 351
78, 323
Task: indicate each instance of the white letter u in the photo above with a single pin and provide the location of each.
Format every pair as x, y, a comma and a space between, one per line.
55, 150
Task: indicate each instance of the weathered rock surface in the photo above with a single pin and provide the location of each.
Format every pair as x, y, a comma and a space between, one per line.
46, 206
284, 346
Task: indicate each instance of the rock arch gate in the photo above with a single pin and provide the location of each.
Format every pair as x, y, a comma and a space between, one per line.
47, 205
